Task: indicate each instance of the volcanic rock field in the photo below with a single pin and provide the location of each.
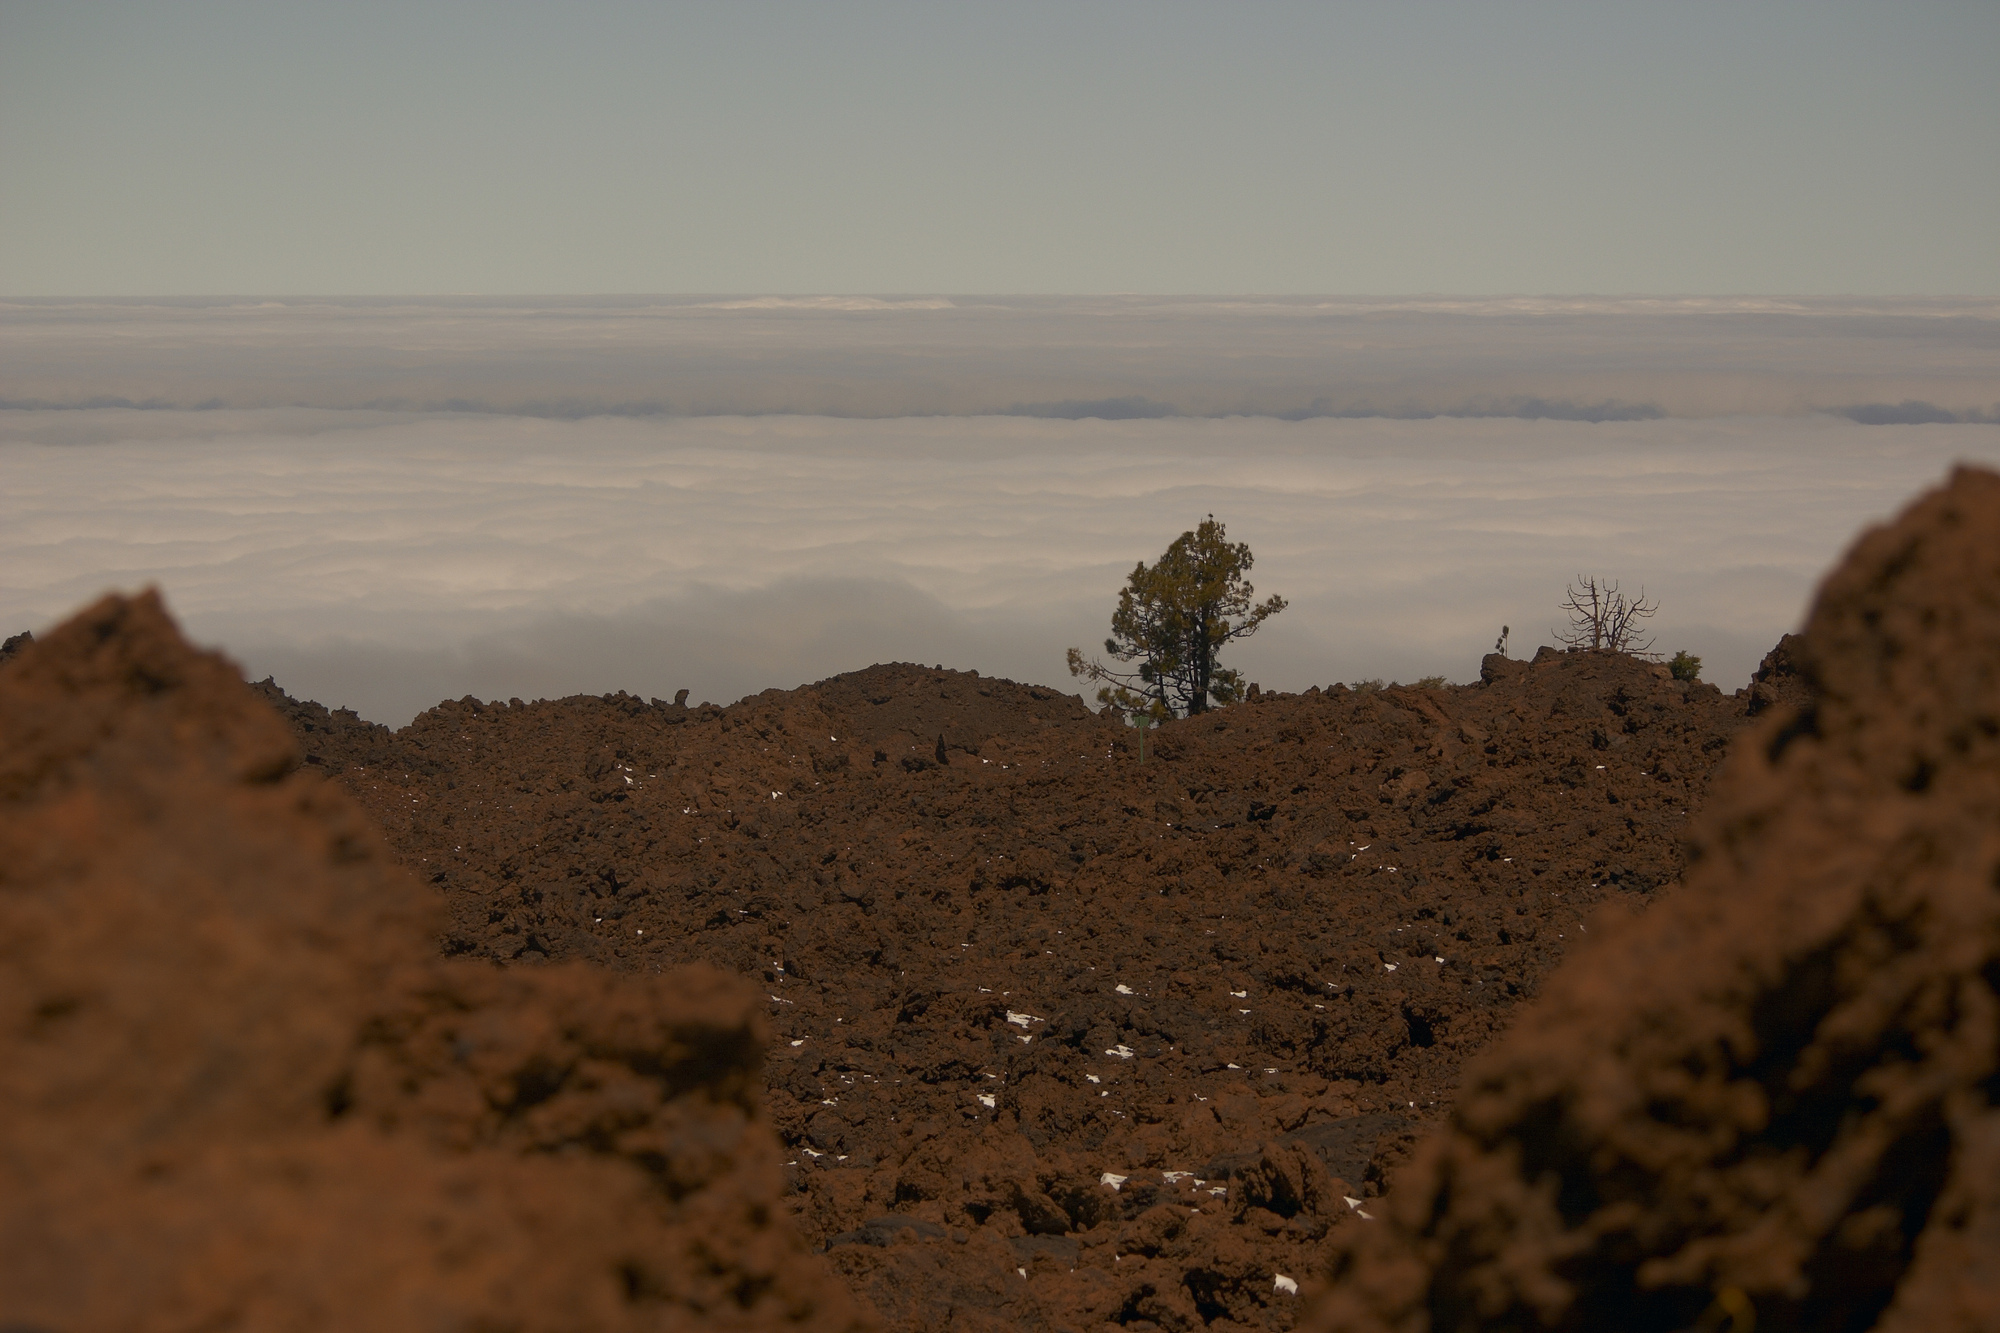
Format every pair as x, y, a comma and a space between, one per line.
920, 1000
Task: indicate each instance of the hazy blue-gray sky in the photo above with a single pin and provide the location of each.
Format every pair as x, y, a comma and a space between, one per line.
614, 146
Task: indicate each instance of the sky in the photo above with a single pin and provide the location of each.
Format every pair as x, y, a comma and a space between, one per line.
619, 146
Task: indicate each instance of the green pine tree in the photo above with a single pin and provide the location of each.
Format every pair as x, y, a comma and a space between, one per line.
1173, 619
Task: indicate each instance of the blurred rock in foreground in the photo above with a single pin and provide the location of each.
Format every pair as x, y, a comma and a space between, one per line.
241, 1090
1772, 1099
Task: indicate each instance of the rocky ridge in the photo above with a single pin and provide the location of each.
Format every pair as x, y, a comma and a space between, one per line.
1065, 1039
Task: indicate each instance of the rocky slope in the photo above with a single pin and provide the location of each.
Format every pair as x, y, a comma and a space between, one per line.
1064, 1038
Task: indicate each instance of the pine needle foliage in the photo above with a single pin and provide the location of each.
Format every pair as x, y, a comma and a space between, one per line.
1173, 619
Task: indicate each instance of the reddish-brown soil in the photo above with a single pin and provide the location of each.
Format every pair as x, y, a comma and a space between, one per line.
1773, 1101
1006, 962
240, 1089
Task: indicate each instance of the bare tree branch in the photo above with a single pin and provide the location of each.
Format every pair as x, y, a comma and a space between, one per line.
1603, 619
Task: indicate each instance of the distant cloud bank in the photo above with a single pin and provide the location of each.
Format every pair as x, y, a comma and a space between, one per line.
386, 502
1911, 412
1135, 408
1593, 359
847, 304
389, 560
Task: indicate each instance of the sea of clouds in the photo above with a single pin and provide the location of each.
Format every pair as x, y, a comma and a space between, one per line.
1911, 359
386, 560
389, 501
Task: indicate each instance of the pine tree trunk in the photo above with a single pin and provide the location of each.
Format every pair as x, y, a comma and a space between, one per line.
1204, 664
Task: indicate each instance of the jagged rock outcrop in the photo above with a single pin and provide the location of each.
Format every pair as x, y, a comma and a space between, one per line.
1775, 1098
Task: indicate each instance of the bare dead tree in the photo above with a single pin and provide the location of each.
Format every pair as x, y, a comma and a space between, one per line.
1601, 617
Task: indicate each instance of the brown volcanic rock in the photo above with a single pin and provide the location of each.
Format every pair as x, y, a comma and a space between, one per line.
330, 740
1773, 1097
242, 1090
1780, 678
998, 978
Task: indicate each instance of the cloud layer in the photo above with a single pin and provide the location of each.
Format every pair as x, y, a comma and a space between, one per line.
1581, 359
386, 561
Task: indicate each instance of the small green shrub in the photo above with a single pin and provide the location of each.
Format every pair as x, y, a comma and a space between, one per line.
1432, 683
1366, 686
1685, 666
